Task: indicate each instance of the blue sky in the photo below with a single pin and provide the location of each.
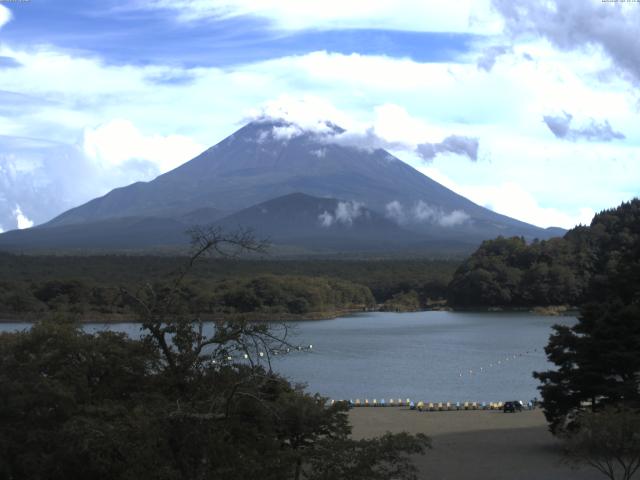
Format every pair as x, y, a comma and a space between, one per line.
95, 97
118, 35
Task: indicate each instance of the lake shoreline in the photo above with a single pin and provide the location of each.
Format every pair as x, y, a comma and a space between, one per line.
251, 317
101, 318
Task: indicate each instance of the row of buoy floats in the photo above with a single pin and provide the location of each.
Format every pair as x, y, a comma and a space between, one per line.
497, 363
428, 406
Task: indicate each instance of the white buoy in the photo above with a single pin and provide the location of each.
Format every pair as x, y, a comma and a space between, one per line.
261, 354
310, 347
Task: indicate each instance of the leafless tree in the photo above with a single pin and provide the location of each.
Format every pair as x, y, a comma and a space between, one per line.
179, 334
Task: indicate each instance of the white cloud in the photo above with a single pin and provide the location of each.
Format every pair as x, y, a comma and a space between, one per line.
611, 26
119, 141
513, 200
422, 212
320, 152
326, 219
393, 128
21, 219
397, 102
307, 112
42, 178
345, 213
395, 211
393, 123
467, 16
457, 217
5, 16
286, 132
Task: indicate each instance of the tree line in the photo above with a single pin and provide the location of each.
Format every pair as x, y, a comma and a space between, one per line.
89, 286
509, 272
269, 295
591, 398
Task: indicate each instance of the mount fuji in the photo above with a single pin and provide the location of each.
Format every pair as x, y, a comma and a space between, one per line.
305, 189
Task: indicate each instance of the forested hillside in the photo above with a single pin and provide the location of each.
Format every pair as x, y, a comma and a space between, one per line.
89, 286
509, 272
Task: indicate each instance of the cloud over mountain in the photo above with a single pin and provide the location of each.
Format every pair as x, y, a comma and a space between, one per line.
345, 214
318, 118
459, 145
560, 126
422, 212
39, 179
119, 141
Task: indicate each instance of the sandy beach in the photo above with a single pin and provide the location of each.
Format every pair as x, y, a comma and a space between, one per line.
475, 445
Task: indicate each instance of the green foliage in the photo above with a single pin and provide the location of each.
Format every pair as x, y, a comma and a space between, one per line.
508, 272
289, 294
172, 406
403, 302
102, 406
598, 359
90, 286
62, 393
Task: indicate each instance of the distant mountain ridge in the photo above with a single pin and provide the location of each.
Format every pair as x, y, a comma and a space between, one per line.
268, 161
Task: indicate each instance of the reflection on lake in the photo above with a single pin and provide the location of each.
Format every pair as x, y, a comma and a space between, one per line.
433, 356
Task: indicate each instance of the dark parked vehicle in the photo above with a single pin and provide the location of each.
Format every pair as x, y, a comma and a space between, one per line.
512, 407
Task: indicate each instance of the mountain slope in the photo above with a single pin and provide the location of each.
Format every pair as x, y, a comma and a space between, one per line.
270, 160
315, 224
321, 224
110, 234
264, 160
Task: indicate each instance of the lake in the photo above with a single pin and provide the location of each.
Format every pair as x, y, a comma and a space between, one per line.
431, 356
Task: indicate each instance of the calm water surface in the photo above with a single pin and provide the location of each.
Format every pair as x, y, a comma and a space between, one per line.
431, 356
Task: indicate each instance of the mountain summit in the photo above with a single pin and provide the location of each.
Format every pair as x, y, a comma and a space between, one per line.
269, 159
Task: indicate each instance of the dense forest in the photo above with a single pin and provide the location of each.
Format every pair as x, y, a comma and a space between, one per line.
505, 272
509, 272
591, 395
91, 286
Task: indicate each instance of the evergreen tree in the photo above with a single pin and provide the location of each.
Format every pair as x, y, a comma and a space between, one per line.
598, 359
